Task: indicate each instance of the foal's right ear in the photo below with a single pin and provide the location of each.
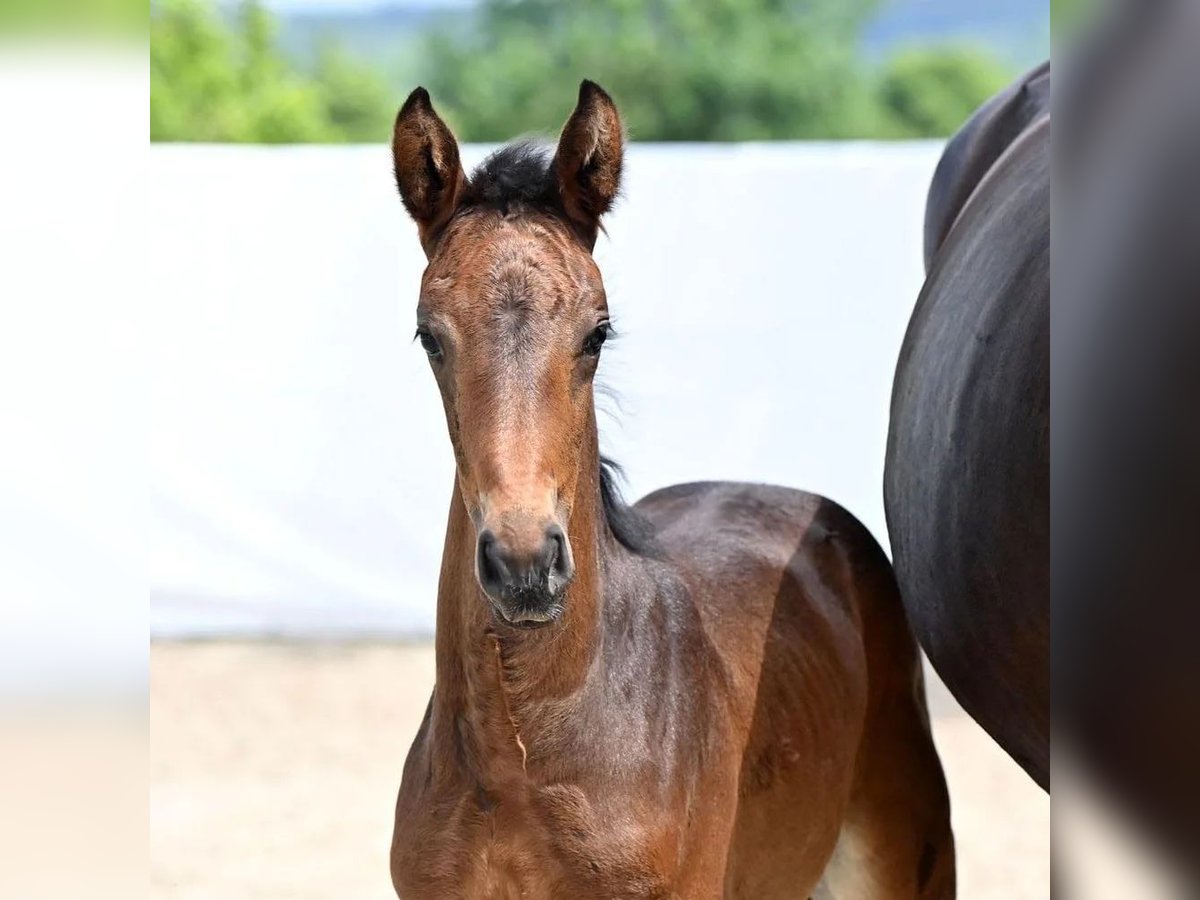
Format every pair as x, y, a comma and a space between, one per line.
428, 171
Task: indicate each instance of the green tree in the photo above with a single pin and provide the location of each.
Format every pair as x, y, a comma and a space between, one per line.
281, 105
681, 69
193, 83
227, 81
931, 92
358, 103
694, 70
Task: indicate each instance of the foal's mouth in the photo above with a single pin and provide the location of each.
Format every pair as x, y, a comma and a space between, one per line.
528, 610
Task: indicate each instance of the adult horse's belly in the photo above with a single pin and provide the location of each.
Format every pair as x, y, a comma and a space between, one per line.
966, 483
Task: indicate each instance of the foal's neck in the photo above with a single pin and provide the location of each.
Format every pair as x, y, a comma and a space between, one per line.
500, 678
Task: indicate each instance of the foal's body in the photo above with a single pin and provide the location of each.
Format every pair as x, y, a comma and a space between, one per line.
731, 707
697, 742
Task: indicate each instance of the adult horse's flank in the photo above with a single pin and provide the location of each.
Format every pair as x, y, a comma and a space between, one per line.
712, 694
967, 476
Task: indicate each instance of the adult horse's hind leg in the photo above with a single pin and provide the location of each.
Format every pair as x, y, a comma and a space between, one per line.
896, 840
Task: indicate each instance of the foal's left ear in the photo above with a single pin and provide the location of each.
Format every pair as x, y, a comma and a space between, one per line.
587, 164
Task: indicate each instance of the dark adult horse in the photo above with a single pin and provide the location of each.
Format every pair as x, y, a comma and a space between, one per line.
966, 483
713, 694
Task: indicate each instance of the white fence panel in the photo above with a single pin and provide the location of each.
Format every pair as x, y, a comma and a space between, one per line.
300, 473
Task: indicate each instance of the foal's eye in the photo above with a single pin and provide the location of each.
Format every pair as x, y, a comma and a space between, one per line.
594, 341
429, 342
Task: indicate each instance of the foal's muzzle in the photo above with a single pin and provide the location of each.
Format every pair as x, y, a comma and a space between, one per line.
525, 580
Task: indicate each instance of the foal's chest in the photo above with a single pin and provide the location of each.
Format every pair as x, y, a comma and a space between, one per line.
543, 843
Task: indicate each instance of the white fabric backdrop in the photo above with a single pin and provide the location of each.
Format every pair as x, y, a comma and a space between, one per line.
299, 469
73, 582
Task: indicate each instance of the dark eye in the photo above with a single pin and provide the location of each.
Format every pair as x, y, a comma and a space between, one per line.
429, 342
594, 341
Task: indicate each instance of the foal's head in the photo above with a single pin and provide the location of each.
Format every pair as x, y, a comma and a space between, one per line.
513, 315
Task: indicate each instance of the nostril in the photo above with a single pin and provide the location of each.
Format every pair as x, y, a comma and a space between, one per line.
552, 549
558, 555
492, 570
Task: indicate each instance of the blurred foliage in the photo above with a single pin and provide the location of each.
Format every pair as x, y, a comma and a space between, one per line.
213, 80
924, 90
699, 70
679, 69
1068, 12
70, 17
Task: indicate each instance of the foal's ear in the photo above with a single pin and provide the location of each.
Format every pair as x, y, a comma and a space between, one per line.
428, 171
587, 164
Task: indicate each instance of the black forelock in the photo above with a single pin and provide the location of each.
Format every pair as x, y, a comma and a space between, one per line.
518, 175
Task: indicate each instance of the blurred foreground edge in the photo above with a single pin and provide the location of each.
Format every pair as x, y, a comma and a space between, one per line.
1125, 459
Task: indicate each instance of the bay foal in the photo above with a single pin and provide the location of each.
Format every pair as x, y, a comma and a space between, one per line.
712, 694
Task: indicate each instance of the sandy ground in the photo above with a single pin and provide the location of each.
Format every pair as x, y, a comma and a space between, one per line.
274, 770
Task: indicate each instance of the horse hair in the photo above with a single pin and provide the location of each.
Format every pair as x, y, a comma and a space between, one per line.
517, 176
631, 529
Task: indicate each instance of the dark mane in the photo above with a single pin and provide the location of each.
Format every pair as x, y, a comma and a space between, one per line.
628, 526
517, 176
